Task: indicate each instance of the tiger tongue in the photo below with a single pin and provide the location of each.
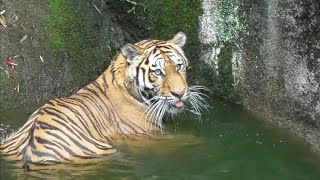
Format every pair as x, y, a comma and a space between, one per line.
179, 104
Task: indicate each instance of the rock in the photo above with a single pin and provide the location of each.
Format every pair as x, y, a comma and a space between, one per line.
276, 58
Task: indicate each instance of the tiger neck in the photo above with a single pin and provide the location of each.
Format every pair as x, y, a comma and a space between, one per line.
124, 98
117, 72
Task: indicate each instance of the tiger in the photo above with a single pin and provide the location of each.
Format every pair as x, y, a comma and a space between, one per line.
143, 82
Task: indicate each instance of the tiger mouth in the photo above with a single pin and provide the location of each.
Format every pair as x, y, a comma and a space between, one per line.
176, 106
179, 104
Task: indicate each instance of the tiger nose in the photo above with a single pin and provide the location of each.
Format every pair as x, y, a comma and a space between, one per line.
177, 94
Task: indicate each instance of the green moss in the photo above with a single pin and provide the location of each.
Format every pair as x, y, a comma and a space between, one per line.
3, 97
166, 18
8, 94
72, 40
226, 79
228, 20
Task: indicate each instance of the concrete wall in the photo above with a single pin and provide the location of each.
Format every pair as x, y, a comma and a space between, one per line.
275, 58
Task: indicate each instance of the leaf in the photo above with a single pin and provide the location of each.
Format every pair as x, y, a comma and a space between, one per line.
97, 9
10, 63
3, 21
9, 76
17, 88
23, 38
41, 59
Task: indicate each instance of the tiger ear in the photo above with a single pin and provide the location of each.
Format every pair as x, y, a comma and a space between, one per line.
179, 39
131, 51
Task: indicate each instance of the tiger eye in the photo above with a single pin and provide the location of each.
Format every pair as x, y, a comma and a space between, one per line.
179, 67
158, 72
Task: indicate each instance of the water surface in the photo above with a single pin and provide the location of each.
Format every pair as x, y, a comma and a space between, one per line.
228, 143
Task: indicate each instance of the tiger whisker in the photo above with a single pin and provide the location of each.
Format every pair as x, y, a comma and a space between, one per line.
158, 113
152, 111
195, 106
148, 107
164, 109
149, 113
148, 110
158, 118
197, 87
197, 100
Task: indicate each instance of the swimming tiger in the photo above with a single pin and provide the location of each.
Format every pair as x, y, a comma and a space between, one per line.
143, 82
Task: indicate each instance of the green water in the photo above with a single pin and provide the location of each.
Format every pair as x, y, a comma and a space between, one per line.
228, 144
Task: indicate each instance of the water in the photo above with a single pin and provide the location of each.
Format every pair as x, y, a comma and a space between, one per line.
229, 143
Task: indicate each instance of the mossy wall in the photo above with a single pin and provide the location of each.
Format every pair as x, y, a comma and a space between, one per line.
68, 44
161, 19
73, 39
6, 97
218, 29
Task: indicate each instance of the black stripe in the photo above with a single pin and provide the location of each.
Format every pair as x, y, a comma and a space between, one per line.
71, 138
143, 76
45, 142
133, 124
31, 140
57, 137
42, 154
112, 71
114, 110
80, 117
57, 153
149, 45
83, 136
15, 148
93, 102
100, 111
43, 124
115, 121
104, 78
63, 119
96, 105
96, 94
11, 140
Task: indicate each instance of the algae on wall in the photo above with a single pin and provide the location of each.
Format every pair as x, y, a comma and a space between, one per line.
218, 28
68, 45
73, 39
8, 94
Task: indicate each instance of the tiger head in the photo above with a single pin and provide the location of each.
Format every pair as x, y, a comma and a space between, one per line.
156, 72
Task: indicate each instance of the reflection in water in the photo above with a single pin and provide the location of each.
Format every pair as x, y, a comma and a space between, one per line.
123, 164
112, 165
